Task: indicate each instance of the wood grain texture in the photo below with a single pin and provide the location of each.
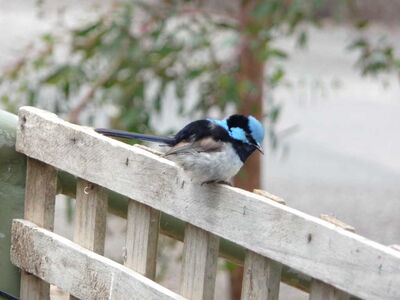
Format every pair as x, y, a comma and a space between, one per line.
40, 195
322, 291
90, 216
142, 238
76, 270
346, 260
261, 278
199, 265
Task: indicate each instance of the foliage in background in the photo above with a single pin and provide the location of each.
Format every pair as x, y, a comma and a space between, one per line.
125, 63
377, 56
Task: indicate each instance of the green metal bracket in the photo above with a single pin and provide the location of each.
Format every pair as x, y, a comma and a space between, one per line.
12, 191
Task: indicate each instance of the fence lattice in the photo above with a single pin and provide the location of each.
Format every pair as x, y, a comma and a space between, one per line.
340, 262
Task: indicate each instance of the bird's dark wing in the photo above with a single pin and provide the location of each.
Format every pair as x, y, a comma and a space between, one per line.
200, 129
193, 131
207, 144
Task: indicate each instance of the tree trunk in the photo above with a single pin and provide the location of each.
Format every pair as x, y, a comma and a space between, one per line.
251, 71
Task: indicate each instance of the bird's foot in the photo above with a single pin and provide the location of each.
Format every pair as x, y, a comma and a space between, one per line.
216, 181
207, 182
224, 182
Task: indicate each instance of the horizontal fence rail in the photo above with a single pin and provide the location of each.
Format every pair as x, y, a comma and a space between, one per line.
81, 272
273, 233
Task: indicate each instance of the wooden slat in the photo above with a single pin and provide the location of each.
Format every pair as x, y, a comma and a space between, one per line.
77, 270
142, 238
199, 266
261, 278
40, 193
90, 217
322, 291
348, 261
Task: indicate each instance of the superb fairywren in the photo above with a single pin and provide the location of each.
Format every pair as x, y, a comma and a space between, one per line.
208, 150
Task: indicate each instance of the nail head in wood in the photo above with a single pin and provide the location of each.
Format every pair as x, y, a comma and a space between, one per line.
90, 216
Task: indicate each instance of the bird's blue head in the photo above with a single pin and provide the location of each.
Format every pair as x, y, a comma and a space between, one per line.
247, 130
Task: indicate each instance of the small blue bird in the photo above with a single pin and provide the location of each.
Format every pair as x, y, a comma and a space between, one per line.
208, 150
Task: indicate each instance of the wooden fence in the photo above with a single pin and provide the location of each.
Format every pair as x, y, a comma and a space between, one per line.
340, 262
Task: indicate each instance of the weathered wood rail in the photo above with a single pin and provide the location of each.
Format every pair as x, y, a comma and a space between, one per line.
341, 262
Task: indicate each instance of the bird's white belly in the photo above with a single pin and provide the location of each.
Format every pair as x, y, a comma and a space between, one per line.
210, 166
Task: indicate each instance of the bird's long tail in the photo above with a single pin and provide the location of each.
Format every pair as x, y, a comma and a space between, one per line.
134, 136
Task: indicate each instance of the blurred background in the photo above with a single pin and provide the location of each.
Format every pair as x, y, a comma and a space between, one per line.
322, 75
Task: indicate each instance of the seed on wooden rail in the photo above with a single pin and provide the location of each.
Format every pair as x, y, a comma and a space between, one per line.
269, 196
337, 222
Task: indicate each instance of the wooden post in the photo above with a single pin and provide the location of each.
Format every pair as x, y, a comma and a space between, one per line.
261, 278
199, 267
40, 194
142, 238
90, 216
322, 291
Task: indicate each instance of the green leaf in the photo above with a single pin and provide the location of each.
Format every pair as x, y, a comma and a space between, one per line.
302, 39
57, 75
230, 266
263, 9
32, 95
271, 53
48, 38
180, 88
275, 113
358, 43
362, 24
277, 76
88, 29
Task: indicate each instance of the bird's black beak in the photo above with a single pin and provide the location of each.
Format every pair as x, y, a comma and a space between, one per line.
259, 148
